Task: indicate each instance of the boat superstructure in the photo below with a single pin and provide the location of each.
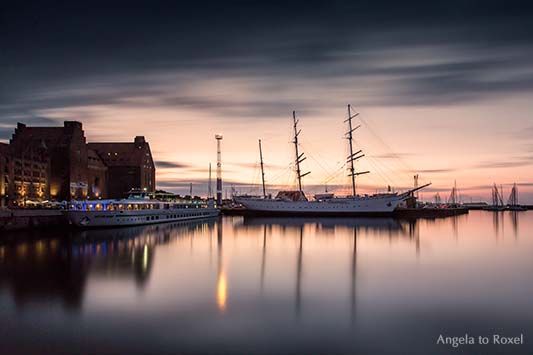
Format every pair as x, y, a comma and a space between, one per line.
137, 209
296, 203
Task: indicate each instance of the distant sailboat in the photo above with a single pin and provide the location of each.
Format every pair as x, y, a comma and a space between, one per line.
497, 200
512, 203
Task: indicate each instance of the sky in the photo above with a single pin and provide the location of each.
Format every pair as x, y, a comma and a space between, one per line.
443, 89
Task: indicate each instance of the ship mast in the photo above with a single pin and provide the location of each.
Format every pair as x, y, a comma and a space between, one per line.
262, 169
353, 156
299, 157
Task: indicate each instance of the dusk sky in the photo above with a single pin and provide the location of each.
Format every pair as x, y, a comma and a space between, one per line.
444, 90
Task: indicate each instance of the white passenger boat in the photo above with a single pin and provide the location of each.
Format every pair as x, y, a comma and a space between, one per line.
137, 209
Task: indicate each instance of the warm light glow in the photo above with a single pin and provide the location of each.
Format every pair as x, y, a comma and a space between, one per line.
145, 257
222, 290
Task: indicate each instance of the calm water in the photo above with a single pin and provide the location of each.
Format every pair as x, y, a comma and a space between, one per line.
234, 285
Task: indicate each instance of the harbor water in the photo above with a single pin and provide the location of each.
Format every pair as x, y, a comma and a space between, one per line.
235, 285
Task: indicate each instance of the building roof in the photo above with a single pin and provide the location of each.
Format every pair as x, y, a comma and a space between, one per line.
135, 153
44, 136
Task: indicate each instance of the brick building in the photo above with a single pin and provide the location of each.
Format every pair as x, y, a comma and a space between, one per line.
57, 154
56, 163
97, 175
129, 165
4, 173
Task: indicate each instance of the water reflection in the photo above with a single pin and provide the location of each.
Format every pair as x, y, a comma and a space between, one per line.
304, 228
313, 285
514, 222
263, 258
43, 271
327, 225
299, 272
222, 286
352, 278
56, 266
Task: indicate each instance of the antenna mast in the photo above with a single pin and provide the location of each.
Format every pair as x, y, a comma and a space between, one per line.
209, 187
353, 156
262, 168
299, 157
218, 137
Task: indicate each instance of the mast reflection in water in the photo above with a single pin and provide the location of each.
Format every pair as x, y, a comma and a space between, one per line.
297, 285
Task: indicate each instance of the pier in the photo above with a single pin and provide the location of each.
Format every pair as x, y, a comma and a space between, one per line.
17, 219
401, 212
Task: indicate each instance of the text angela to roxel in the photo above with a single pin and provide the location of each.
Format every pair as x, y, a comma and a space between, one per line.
494, 339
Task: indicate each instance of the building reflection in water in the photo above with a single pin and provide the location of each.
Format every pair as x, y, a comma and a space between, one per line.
53, 266
42, 270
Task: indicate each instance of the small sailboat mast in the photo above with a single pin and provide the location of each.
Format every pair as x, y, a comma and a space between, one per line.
497, 200
513, 197
262, 168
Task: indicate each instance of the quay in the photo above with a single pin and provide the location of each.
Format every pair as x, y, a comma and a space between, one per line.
401, 212
16, 219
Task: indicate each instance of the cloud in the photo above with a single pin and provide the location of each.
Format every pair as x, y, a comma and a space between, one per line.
281, 61
512, 163
392, 155
524, 133
435, 171
255, 165
171, 165
8, 124
11, 122
5, 132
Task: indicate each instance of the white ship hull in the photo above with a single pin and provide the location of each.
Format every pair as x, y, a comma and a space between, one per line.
91, 219
382, 205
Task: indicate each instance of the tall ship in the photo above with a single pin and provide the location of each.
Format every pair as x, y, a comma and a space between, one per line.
139, 208
296, 203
